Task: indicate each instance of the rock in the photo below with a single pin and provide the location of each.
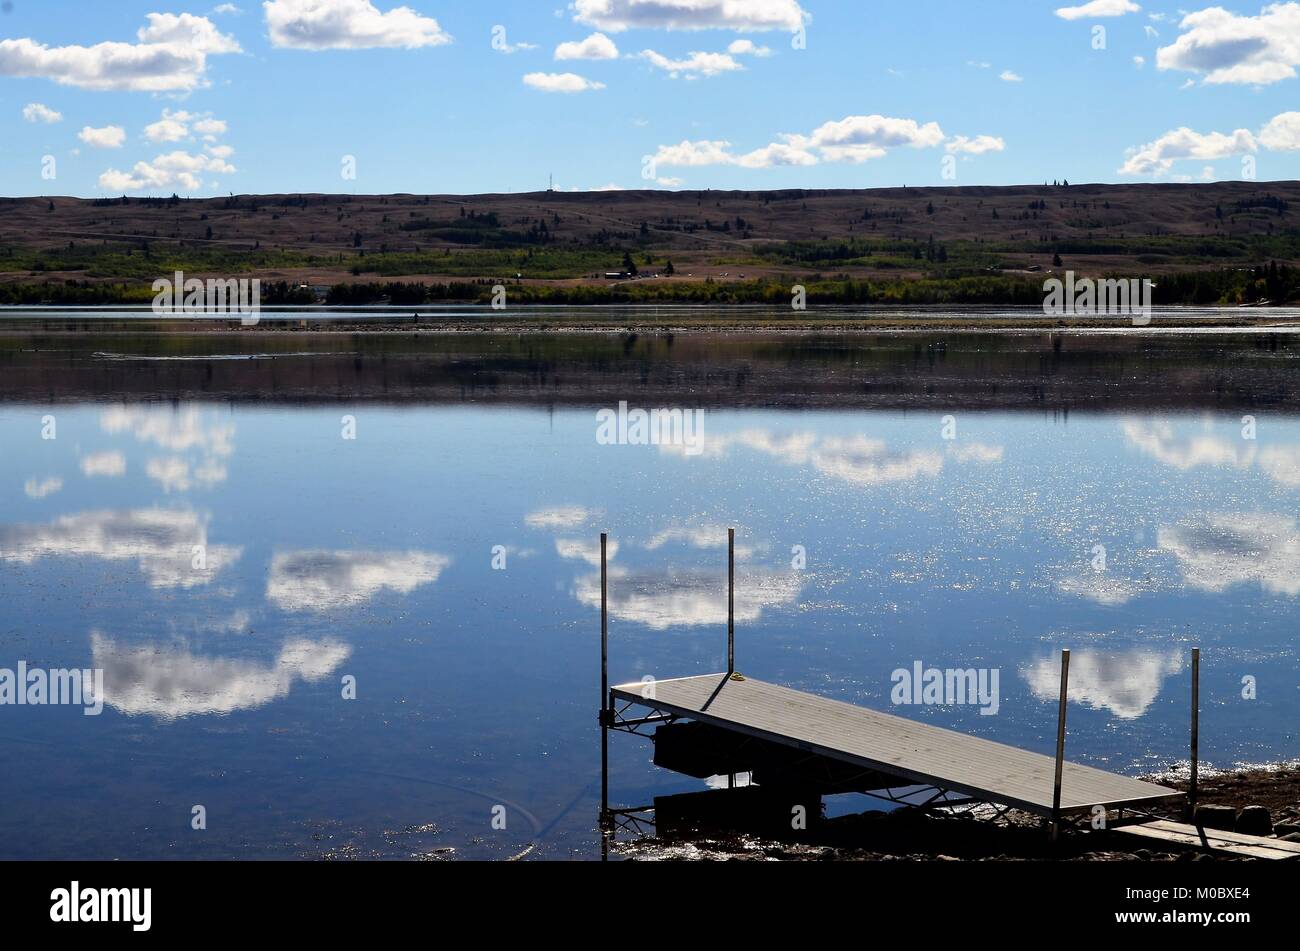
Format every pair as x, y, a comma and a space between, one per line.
1255, 820
1216, 817
1286, 828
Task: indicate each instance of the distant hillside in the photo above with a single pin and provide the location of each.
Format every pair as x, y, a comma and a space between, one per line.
561, 240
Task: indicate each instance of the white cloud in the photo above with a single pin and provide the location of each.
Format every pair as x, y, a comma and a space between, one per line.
322, 581
170, 682
694, 66
38, 112
596, 46
109, 465
39, 490
1282, 134
1225, 47
109, 137
748, 48
878, 131
852, 139
1225, 550
681, 597
1007, 76
743, 16
1158, 157
1125, 683
227, 9
172, 127
348, 25
160, 541
175, 170
980, 145
561, 82
1098, 8
1139, 61
585, 549
170, 57
563, 516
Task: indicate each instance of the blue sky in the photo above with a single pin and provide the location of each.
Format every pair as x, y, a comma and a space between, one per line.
435, 96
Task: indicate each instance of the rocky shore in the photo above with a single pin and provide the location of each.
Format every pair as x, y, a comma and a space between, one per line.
1258, 801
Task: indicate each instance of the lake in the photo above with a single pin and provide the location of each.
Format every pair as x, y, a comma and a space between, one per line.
242, 531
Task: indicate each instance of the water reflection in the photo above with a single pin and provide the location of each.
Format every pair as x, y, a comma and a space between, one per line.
325, 580
107, 465
1124, 682
856, 459
681, 597
172, 682
163, 542
1220, 551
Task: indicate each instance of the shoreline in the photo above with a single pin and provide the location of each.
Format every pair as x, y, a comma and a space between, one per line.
908, 835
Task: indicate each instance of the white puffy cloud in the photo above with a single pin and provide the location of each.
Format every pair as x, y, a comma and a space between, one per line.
348, 25
1007, 76
687, 598
596, 46
1159, 156
39, 112
851, 139
1223, 550
175, 170
172, 127
560, 82
1126, 683
1098, 8
748, 48
694, 66
321, 581
561, 516
1226, 47
979, 145
171, 56
39, 490
160, 541
109, 137
109, 465
585, 549
1282, 134
172, 682
743, 16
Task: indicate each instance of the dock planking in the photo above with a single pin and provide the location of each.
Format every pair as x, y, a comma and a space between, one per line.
1214, 840
914, 752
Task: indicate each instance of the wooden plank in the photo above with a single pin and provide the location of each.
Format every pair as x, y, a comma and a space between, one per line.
1231, 843
989, 771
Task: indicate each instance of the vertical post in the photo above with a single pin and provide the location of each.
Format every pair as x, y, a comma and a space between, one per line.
1196, 729
731, 601
604, 683
1060, 742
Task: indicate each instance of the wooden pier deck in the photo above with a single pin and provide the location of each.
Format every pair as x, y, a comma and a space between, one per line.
914, 752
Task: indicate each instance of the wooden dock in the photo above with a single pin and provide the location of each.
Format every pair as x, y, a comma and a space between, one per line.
1165, 833
913, 752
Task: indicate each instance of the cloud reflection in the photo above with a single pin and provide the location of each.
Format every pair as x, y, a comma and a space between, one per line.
1225, 550
172, 682
857, 460
324, 580
162, 542
672, 597
1126, 683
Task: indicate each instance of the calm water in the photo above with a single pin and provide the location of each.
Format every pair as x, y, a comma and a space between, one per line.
372, 558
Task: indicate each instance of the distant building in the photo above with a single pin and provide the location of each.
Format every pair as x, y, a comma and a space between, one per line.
617, 275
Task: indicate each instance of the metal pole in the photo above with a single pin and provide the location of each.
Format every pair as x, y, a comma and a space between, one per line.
604, 683
1060, 742
1196, 728
731, 601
